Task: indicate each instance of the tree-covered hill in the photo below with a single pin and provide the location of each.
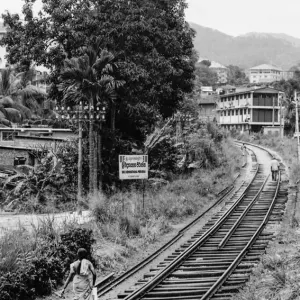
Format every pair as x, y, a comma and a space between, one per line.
247, 50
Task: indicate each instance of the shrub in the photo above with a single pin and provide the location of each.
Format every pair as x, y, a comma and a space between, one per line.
71, 241
130, 225
31, 267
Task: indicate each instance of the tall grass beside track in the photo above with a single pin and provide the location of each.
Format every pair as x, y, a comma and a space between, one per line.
125, 226
122, 228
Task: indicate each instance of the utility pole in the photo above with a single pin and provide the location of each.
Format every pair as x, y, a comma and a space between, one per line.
281, 127
273, 115
297, 124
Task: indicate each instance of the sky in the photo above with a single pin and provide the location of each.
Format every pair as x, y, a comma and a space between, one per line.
233, 17
236, 17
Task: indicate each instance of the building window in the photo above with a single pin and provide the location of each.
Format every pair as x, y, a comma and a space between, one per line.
8, 135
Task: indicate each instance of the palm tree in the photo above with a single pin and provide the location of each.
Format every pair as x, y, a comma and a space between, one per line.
19, 100
88, 78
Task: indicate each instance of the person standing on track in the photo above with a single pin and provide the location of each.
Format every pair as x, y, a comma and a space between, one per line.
274, 168
84, 277
243, 149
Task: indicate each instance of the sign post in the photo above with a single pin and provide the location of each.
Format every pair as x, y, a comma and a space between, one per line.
134, 167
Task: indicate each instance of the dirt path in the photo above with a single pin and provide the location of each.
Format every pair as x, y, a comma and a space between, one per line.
11, 221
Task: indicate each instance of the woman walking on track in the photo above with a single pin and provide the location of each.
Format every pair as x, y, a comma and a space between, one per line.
84, 277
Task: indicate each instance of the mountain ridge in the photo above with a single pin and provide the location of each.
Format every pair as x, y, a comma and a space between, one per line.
247, 50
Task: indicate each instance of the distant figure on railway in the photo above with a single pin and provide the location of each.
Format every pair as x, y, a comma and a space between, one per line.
274, 168
84, 277
243, 149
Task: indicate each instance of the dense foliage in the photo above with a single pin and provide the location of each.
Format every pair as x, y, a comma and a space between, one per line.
33, 268
236, 76
151, 46
289, 111
49, 186
150, 39
204, 75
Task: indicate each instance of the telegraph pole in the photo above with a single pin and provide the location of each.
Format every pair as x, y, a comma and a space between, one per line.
273, 112
297, 124
281, 127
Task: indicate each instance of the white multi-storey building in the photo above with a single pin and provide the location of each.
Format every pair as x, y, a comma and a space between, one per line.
250, 109
267, 73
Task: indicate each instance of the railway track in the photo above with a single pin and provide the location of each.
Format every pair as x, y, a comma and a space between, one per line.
216, 261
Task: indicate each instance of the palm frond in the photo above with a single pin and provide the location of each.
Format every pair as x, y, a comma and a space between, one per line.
10, 179
105, 59
19, 186
5, 83
6, 102
14, 115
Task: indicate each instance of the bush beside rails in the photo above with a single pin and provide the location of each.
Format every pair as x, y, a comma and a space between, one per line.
34, 265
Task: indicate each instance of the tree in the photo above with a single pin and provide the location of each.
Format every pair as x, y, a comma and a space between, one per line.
150, 40
206, 63
88, 78
19, 100
205, 75
236, 76
288, 87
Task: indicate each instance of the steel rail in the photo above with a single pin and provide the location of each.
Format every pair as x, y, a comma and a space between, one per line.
138, 293
238, 259
241, 217
113, 283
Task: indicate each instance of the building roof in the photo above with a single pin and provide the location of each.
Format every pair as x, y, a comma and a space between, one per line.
216, 65
227, 87
206, 89
266, 67
254, 90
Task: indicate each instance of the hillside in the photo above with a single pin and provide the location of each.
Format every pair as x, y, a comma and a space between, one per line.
247, 50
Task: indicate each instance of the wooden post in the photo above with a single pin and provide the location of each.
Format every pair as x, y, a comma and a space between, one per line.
281, 125
91, 156
297, 125
100, 157
143, 195
79, 187
95, 175
273, 117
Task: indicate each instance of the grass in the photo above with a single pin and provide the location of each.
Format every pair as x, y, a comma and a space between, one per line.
127, 225
277, 275
286, 148
124, 224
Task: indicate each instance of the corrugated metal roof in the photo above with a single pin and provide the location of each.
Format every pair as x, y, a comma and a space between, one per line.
266, 67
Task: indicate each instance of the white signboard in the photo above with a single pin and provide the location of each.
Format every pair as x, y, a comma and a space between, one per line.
133, 166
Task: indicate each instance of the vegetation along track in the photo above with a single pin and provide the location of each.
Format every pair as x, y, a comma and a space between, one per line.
217, 260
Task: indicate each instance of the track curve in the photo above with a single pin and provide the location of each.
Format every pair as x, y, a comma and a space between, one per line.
216, 261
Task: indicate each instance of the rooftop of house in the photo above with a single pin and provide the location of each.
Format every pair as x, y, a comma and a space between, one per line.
254, 90
266, 67
206, 89
41, 128
216, 65
227, 87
